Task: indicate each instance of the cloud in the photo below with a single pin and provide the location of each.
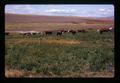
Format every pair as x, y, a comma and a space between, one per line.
20, 9
60, 10
102, 10
107, 10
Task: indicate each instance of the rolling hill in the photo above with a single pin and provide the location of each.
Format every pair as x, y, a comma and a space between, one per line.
20, 18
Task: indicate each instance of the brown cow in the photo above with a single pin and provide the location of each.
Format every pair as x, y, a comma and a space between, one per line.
83, 31
64, 31
104, 30
72, 31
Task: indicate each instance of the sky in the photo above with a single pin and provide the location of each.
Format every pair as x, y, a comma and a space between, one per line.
63, 10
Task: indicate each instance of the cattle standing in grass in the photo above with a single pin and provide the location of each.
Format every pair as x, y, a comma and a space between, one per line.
33, 32
24, 33
27, 34
72, 31
105, 30
40, 33
63, 31
83, 31
48, 32
59, 33
111, 29
7, 33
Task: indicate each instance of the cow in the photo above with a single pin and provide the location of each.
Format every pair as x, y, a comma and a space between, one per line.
48, 32
59, 32
33, 32
27, 34
83, 31
72, 31
64, 31
40, 33
111, 29
105, 30
7, 33
23, 33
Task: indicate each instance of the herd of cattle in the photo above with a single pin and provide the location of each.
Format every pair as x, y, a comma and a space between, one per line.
61, 32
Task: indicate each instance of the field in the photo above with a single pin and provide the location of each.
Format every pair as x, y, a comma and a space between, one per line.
81, 55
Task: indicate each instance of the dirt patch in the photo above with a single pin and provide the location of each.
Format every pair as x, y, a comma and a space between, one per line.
13, 73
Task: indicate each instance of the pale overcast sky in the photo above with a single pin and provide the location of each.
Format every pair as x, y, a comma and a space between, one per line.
62, 10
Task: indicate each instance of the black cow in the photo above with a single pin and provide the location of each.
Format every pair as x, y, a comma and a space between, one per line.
33, 33
27, 34
59, 33
7, 33
48, 32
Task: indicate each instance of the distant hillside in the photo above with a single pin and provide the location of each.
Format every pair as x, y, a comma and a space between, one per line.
15, 18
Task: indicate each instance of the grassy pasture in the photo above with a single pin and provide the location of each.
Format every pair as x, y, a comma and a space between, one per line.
60, 56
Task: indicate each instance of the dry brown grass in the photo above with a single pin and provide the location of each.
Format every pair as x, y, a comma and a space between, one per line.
62, 41
49, 41
52, 26
13, 73
103, 74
